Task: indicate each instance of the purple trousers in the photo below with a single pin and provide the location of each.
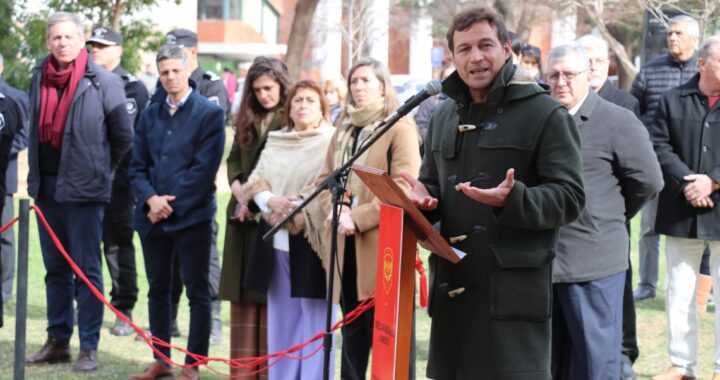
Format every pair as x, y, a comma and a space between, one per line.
292, 321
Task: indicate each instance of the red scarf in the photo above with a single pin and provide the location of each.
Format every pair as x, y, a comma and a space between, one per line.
53, 112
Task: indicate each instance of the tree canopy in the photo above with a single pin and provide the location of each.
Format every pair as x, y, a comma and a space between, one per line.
22, 35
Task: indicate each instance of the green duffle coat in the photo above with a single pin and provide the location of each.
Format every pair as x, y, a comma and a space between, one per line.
498, 326
239, 236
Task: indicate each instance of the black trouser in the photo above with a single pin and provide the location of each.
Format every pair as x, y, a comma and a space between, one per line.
357, 336
190, 247
629, 328
118, 246
214, 274
629, 325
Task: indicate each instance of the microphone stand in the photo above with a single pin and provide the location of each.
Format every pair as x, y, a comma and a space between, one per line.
335, 183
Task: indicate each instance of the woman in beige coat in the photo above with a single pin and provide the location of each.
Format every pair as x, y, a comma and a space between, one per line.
371, 99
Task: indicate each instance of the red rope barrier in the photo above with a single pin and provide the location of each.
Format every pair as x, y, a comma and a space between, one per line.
153, 342
420, 268
9, 224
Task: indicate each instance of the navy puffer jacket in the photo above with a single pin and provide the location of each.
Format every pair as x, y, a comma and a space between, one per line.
658, 76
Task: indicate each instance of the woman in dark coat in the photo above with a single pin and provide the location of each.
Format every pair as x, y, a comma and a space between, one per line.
260, 112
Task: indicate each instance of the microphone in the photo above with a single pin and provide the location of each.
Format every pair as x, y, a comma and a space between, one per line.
431, 88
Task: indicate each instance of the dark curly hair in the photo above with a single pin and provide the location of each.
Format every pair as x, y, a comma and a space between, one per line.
250, 109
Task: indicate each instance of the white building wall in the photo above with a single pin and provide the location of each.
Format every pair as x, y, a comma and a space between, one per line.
421, 43
378, 25
564, 30
327, 41
168, 16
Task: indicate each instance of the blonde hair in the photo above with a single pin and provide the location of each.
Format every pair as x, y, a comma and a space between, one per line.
381, 73
337, 86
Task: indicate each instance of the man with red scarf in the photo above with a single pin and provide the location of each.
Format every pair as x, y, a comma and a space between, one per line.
79, 132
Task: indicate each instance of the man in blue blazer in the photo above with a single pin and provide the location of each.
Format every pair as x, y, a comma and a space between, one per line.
176, 154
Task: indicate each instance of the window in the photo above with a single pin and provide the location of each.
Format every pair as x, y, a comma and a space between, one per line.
220, 9
210, 9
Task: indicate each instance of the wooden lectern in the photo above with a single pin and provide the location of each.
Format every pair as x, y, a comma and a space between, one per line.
402, 226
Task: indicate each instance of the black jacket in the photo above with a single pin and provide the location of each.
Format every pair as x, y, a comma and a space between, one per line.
11, 120
621, 98
658, 76
98, 132
21, 135
621, 173
686, 137
307, 276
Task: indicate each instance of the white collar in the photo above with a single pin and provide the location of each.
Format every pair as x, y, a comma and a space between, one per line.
576, 107
181, 102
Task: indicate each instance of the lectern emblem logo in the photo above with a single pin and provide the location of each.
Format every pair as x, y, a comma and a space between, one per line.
387, 269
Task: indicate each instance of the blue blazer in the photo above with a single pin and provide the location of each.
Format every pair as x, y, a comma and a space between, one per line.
178, 155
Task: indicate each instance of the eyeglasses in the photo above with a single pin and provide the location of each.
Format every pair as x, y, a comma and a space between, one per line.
567, 75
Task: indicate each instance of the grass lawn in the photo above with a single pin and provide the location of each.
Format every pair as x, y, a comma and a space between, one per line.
120, 356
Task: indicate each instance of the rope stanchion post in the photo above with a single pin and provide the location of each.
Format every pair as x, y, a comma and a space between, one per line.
22, 290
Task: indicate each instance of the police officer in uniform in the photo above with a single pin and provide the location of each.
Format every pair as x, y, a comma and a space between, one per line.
11, 119
210, 86
20, 143
106, 47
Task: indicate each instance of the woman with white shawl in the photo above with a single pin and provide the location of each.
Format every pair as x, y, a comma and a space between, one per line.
290, 268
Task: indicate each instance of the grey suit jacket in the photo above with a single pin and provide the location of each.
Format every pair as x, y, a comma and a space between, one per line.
621, 173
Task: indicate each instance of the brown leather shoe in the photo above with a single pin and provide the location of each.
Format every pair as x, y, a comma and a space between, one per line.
674, 373
86, 361
53, 351
189, 374
156, 370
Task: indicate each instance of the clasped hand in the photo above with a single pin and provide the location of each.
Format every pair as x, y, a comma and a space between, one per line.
280, 207
346, 223
698, 190
160, 208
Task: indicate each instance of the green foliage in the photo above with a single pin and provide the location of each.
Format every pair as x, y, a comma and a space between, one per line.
19, 53
22, 34
139, 36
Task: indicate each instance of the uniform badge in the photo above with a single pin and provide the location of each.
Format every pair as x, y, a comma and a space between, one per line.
2, 121
214, 100
131, 106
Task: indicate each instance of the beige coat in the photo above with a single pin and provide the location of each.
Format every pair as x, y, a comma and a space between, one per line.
402, 141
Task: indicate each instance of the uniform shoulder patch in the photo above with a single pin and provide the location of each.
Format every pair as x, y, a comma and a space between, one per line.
214, 100
130, 78
211, 76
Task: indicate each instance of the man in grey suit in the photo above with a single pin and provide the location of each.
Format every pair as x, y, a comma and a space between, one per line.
621, 174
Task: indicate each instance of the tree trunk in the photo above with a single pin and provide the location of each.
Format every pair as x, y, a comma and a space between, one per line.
626, 66
302, 21
116, 15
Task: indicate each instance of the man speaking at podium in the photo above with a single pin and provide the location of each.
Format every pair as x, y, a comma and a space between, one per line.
502, 166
